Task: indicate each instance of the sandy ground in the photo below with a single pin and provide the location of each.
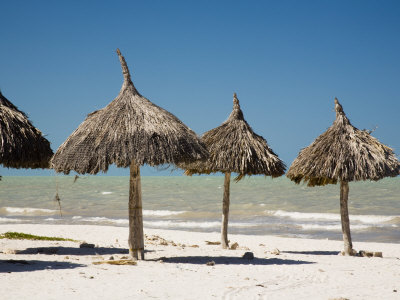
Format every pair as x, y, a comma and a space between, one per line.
176, 267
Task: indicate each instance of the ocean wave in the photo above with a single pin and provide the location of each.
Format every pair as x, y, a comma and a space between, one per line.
8, 220
191, 224
101, 220
27, 211
395, 220
161, 213
331, 227
367, 219
162, 224
106, 193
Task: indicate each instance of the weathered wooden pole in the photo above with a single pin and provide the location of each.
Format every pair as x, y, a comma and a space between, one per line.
344, 214
225, 211
136, 241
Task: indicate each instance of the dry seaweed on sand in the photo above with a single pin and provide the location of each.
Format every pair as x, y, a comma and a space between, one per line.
122, 262
235, 148
213, 243
129, 132
342, 154
21, 144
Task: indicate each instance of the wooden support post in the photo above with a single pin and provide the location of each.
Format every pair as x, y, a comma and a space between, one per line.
136, 241
225, 211
344, 214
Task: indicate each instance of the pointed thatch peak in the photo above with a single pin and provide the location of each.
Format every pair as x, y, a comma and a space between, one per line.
235, 147
128, 84
125, 69
129, 129
343, 153
338, 108
235, 101
236, 113
340, 115
21, 144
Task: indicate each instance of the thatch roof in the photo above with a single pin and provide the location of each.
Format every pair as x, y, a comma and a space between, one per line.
234, 147
21, 144
343, 153
130, 128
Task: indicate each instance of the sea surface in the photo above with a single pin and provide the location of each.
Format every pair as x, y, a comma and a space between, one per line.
259, 205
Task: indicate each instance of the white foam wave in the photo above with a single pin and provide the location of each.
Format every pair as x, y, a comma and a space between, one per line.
23, 211
367, 219
120, 221
332, 227
7, 220
161, 213
103, 220
372, 219
164, 223
170, 224
106, 193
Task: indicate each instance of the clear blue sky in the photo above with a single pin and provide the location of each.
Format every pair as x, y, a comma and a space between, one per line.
286, 60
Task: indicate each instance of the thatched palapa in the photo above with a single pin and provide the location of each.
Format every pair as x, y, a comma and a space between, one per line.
342, 154
234, 147
21, 144
130, 131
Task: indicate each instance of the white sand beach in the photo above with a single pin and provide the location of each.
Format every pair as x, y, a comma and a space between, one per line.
176, 267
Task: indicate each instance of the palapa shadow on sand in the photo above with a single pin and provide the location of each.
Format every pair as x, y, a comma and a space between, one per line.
11, 265
229, 260
313, 252
74, 251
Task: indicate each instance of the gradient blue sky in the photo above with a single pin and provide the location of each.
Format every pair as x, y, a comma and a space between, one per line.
286, 60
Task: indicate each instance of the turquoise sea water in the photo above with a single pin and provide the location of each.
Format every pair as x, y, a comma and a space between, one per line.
258, 205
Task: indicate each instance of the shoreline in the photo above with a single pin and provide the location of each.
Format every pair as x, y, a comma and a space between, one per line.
304, 236
176, 266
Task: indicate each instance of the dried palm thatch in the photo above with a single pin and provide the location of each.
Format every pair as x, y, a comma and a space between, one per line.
21, 144
129, 128
234, 147
130, 131
343, 153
